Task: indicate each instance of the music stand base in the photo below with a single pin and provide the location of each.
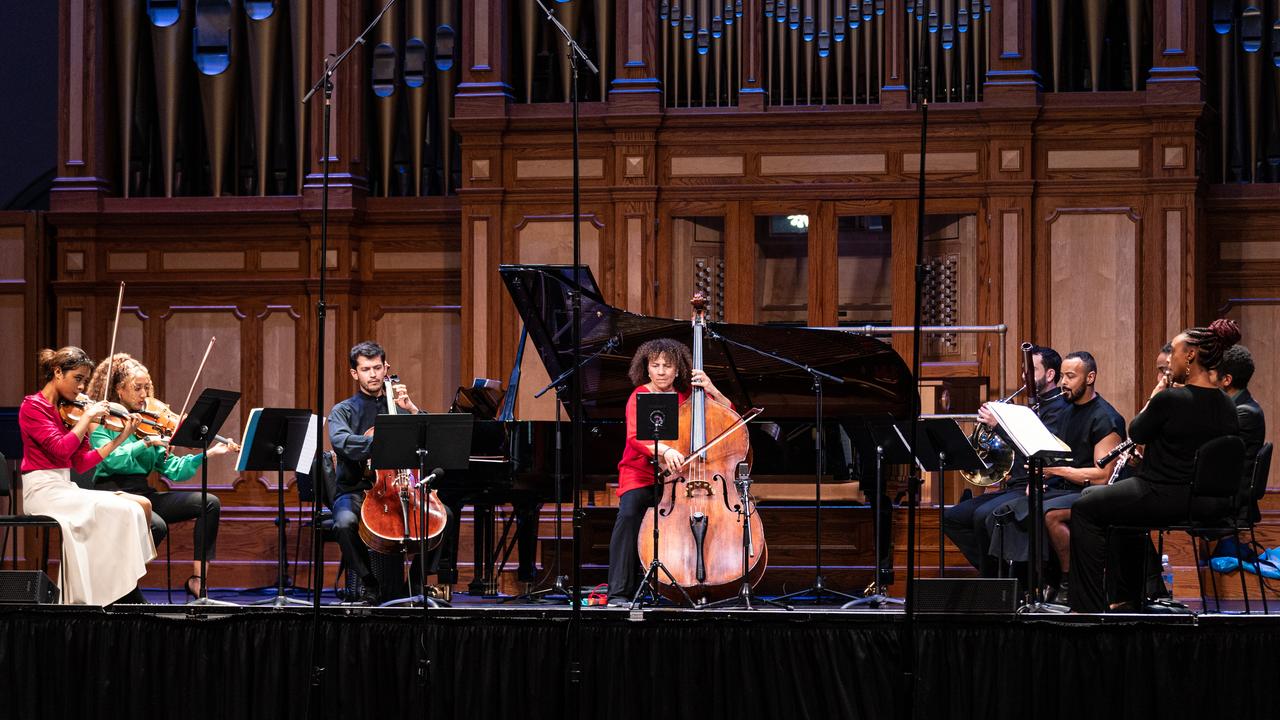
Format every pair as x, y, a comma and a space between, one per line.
542, 595
874, 601
816, 591
415, 601
280, 600
650, 582
744, 600
210, 602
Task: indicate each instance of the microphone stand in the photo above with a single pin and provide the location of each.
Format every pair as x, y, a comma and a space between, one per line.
920, 89
324, 84
819, 587
574, 673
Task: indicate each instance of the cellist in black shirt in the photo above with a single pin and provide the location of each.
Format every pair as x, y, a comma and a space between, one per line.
1173, 426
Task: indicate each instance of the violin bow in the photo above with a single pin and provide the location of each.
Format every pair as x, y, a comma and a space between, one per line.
751, 415
183, 415
111, 356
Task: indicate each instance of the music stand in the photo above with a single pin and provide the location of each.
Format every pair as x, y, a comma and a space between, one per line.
442, 440
276, 438
944, 446
881, 442
196, 431
1029, 434
657, 418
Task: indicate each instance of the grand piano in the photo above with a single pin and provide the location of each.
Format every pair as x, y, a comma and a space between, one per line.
517, 467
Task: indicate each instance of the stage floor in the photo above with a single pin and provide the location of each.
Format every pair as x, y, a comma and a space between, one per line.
487, 660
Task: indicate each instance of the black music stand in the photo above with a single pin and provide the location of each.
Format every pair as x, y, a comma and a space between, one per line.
881, 442
275, 439
405, 441
943, 447
657, 418
196, 432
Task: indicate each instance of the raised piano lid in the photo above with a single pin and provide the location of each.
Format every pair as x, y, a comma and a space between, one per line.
877, 381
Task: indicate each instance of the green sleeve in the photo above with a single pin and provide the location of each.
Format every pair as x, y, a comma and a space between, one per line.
130, 458
181, 469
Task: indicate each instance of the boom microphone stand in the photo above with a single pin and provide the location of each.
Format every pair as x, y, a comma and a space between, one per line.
574, 674
920, 88
324, 83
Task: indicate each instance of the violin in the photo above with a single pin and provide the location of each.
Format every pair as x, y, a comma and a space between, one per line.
389, 516
702, 536
72, 410
159, 420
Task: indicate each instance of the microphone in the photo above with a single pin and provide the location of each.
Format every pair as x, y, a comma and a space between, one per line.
435, 475
657, 418
1122, 447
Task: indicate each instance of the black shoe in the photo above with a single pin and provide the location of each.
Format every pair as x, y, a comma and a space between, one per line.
1062, 597
369, 593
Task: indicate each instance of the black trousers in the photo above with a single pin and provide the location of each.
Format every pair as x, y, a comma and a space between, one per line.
172, 507
386, 572
966, 524
624, 560
1133, 502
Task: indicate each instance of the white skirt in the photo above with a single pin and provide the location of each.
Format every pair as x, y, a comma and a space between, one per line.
106, 538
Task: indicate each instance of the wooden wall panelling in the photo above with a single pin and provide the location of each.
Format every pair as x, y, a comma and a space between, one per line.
1259, 318
1092, 295
548, 238
186, 331
25, 323
824, 265
82, 157
422, 343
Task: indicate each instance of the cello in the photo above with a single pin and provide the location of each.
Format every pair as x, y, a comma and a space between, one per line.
700, 533
389, 519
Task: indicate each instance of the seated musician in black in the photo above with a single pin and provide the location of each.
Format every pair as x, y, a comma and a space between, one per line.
348, 422
1176, 422
1233, 376
1091, 427
966, 523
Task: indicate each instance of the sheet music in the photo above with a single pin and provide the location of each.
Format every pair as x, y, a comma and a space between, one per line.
246, 440
1026, 431
307, 456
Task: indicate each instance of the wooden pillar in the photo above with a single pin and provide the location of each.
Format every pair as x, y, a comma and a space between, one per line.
895, 90
81, 180
484, 90
752, 96
1175, 68
337, 23
636, 85
1011, 78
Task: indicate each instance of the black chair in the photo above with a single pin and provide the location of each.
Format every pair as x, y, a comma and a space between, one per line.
1212, 506
10, 486
328, 488
1250, 516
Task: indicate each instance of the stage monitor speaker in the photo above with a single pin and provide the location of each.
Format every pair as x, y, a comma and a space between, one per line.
26, 587
966, 595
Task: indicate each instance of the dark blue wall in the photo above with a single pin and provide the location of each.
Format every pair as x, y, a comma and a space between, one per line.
28, 94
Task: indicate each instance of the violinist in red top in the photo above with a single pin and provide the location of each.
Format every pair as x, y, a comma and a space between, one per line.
106, 538
667, 365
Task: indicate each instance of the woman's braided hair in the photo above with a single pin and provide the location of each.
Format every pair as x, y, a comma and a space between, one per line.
1213, 341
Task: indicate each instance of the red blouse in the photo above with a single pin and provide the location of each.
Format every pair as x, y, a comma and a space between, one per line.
47, 444
635, 470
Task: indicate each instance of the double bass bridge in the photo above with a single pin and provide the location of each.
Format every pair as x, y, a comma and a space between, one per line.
702, 487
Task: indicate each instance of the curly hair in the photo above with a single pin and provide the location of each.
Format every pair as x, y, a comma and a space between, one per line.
1213, 341
123, 367
676, 352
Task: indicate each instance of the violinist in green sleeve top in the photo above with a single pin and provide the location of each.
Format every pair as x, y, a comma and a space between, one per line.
127, 468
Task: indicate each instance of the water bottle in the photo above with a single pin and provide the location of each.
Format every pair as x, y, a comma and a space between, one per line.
1166, 574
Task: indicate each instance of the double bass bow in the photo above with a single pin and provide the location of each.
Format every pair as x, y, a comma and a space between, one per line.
700, 537
389, 518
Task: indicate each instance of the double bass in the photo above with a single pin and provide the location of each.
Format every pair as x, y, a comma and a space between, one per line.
700, 532
390, 521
